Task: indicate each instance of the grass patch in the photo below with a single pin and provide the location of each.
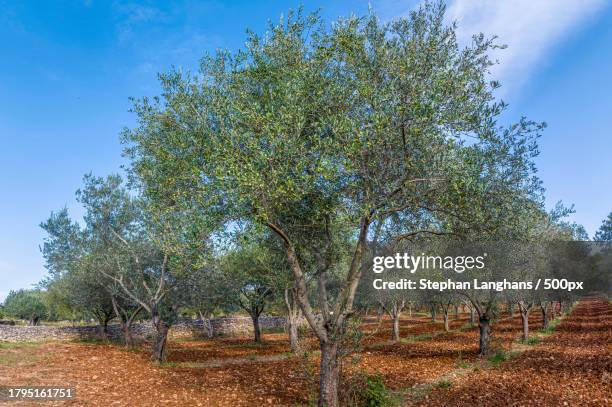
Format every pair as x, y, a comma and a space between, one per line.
273, 330
462, 364
379, 345
15, 358
250, 345
498, 357
548, 331
91, 341
19, 345
444, 384
193, 338
552, 325
417, 338
17, 352
174, 364
533, 340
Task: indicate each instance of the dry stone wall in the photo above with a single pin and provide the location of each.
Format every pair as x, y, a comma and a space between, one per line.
226, 326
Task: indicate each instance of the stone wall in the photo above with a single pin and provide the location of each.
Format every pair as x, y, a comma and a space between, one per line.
226, 326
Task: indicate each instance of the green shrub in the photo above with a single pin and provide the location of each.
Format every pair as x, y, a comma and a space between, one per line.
376, 394
367, 391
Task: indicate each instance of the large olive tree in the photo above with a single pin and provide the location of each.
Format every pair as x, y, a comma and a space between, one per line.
320, 134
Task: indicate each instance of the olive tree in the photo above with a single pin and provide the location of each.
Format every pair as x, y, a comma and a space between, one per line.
341, 127
129, 252
25, 304
73, 280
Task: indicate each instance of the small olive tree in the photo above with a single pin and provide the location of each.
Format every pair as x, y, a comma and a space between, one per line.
25, 304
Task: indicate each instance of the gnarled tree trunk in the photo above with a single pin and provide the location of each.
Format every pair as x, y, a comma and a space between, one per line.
395, 312
379, 313
128, 338
125, 319
103, 320
445, 313
329, 376
543, 309
293, 315
396, 328
525, 321
525, 309
293, 337
330, 328
256, 327
206, 324
161, 337
553, 310
484, 326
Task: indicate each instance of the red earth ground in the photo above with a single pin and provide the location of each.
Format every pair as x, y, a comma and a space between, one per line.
570, 367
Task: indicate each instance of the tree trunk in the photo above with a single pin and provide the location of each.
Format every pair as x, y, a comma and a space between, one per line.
544, 316
446, 322
485, 334
553, 310
457, 311
525, 320
396, 326
329, 376
206, 324
379, 313
293, 316
103, 328
126, 327
159, 347
433, 313
34, 321
472, 316
293, 336
256, 328
410, 309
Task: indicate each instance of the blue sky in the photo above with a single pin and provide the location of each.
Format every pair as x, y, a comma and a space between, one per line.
67, 69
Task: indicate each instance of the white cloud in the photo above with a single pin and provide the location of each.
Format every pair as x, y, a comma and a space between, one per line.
530, 28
